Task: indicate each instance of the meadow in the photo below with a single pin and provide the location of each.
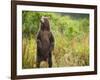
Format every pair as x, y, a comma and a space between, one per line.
71, 34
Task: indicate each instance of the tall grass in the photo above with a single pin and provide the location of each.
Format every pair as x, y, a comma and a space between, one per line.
66, 53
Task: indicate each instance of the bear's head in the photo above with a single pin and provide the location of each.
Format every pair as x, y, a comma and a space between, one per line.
45, 25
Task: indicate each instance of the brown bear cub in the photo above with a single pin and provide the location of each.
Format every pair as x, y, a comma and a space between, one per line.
45, 42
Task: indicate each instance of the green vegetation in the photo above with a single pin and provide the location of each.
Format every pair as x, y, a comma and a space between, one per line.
71, 33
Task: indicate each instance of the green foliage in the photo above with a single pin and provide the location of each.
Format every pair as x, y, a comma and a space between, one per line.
71, 33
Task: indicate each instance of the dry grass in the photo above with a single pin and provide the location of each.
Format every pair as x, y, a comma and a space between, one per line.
66, 53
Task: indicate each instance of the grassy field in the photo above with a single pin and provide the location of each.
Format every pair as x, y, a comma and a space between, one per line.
71, 33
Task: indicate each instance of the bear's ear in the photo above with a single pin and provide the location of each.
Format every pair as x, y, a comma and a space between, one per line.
48, 17
45, 17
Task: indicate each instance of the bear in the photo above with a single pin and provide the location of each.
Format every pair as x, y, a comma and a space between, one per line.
45, 42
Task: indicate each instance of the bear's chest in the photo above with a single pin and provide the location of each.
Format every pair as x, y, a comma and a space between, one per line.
45, 35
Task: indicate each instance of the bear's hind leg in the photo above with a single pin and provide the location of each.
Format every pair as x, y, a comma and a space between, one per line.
50, 60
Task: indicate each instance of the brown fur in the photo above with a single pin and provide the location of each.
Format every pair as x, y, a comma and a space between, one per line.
45, 43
